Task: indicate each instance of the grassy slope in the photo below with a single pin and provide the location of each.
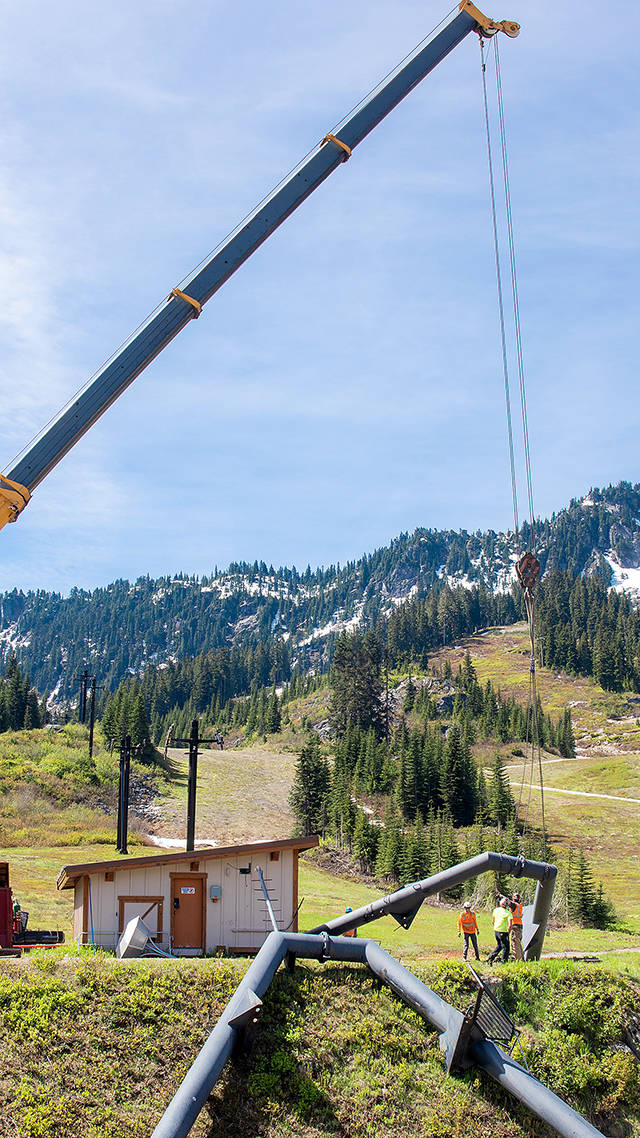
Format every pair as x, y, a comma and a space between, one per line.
94, 1048
608, 742
243, 795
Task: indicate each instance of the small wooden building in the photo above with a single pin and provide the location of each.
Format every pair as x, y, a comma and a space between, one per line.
192, 903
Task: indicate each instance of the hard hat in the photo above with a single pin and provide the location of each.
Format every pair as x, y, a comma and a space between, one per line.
348, 909
467, 904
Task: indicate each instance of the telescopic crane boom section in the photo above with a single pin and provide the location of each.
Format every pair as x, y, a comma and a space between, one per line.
18, 484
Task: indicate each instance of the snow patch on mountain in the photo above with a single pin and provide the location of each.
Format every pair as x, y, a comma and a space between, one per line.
336, 624
624, 578
11, 638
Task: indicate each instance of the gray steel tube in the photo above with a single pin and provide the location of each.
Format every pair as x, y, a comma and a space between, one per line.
206, 1069
407, 986
195, 1088
535, 919
406, 901
538, 1098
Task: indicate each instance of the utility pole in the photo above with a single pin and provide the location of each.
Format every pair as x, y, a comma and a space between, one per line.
92, 714
194, 742
192, 787
82, 705
123, 793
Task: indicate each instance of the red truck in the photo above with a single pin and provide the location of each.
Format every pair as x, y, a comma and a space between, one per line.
14, 935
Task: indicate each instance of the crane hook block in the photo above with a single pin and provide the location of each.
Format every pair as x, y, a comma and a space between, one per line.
527, 571
13, 499
486, 26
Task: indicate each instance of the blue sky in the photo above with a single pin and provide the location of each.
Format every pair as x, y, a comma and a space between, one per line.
346, 384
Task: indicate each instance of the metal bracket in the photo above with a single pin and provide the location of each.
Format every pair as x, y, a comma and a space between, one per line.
338, 142
248, 1011
13, 499
195, 304
407, 919
456, 1046
487, 26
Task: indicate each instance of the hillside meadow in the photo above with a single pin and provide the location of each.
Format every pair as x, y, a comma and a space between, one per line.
95, 1048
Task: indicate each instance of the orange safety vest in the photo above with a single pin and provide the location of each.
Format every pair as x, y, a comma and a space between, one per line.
516, 913
467, 922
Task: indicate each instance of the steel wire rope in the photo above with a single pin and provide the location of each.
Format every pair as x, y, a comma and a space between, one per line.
503, 335
514, 290
532, 705
508, 410
185, 279
529, 595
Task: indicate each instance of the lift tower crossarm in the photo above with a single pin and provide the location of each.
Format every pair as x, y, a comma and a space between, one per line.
181, 307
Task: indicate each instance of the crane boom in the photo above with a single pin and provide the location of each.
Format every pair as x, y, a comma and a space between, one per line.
182, 306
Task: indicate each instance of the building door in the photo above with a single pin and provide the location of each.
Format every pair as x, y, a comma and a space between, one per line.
188, 911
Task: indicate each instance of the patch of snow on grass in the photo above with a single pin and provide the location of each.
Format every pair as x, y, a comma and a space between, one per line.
178, 843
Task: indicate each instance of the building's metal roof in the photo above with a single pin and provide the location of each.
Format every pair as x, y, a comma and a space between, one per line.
69, 874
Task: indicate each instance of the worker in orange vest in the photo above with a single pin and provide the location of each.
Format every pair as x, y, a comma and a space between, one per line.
515, 931
468, 925
350, 932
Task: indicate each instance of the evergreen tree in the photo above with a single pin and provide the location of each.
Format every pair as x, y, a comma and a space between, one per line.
32, 710
458, 785
341, 809
365, 841
273, 718
414, 856
310, 790
389, 845
581, 891
566, 740
483, 811
19, 707
502, 807
410, 696
356, 680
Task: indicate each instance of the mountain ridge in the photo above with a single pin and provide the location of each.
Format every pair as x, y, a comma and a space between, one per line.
121, 628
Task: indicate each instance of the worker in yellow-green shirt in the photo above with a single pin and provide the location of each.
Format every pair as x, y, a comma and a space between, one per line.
501, 918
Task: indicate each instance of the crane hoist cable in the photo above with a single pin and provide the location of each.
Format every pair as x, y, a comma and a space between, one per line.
527, 565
